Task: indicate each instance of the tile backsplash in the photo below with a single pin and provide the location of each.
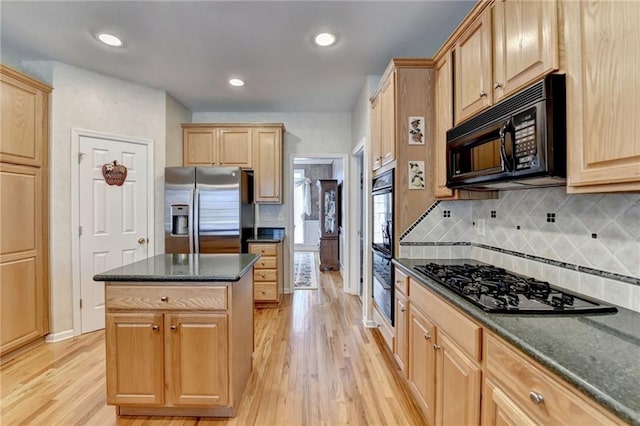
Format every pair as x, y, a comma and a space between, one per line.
587, 243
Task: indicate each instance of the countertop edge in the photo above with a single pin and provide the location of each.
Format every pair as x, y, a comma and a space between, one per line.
622, 411
177, 278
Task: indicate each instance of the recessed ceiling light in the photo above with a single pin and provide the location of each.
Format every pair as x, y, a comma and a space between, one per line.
324, 39
110, 39
236, 82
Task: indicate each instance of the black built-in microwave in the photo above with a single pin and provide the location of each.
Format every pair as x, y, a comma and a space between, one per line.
518, 143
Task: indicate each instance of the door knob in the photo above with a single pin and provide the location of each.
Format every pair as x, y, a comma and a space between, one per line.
142, 240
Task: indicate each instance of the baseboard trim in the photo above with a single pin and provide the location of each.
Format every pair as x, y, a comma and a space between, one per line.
370, 324
59, 336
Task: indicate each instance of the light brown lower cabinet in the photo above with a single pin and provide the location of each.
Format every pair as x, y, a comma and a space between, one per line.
445, 375
462, 374
267, 273
178, 350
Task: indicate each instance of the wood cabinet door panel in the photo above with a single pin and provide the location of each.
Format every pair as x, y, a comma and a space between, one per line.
21, 303
444, 121
268, 165
401, 329
235, 147
500, 410
602, 95
197, 359
459, 385
388, 121
23, 114
525, 42
200, 147
21, 212
135, 358
376, 134
422, 361
473, 69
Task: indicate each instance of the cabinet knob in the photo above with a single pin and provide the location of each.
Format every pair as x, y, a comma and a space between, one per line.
164, 299
155, 327
403, 309
536, 398
497, 85
483, 94
263, 292
427, 337
436, 347
262, 250
173, 327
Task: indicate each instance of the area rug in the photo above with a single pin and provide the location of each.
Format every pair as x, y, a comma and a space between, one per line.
304, 270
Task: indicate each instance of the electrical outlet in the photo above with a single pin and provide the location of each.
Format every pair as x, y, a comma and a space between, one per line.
279, 217
481, 227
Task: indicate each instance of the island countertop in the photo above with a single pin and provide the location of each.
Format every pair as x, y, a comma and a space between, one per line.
192, 268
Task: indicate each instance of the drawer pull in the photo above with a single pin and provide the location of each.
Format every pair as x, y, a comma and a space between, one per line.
403, 309
427, 337
155, 327
262, 250
263, 292
173, 327
436, 347
164, 298
536, 398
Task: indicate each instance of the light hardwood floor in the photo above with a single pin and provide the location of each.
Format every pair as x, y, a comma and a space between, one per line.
315, 364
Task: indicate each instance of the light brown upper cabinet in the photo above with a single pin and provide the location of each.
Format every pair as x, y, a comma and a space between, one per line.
383, 123
508, 46
252, 146
525, 43
24, 207
603, 95
472, 54
388, 120
267, 143
444, 121
214, 146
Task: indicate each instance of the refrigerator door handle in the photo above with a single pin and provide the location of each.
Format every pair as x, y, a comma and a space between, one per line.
196, 221
191, 220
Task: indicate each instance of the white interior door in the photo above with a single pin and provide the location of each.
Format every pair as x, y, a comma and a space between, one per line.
113, 219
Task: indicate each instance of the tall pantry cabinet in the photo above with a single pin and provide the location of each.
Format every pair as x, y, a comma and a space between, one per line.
24, 206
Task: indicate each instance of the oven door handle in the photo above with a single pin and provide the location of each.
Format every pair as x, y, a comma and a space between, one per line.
386, 255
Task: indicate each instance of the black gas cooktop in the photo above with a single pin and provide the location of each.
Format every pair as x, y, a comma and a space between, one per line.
496, 290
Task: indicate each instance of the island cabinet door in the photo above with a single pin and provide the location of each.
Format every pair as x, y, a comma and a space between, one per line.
197, 359
135, 373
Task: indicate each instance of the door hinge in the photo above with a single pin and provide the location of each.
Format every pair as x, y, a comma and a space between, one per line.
79, 231
80, 303
80, 156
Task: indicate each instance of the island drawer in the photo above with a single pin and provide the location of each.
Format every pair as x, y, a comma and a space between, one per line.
265, 275
263, 249
165, 297
266, 263
537, 392
265, 291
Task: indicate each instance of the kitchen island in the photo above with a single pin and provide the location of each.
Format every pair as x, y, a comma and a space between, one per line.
179, 334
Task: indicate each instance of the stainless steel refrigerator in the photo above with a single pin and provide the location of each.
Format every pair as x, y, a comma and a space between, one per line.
208, 209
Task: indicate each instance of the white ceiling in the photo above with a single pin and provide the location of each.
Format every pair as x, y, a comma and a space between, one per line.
191, 49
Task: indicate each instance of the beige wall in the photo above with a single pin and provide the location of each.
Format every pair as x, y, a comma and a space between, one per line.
176, 115
91, 101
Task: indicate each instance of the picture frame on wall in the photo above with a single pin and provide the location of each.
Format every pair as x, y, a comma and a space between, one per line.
416, 130
416, 175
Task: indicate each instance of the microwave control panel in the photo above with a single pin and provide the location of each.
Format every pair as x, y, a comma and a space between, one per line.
525, 141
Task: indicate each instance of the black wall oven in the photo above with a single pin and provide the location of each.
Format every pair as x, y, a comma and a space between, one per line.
382, 243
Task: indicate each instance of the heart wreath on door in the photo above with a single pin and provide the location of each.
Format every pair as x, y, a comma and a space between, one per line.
114, 173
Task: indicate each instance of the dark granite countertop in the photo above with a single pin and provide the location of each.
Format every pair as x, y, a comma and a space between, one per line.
172, 268
598, 353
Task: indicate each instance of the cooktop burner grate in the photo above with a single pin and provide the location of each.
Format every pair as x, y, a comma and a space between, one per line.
496, 290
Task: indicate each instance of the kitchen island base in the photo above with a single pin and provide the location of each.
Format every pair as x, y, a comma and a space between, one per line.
179, 348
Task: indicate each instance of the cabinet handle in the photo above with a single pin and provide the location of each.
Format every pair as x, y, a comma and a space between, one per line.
173, 327
483, 94
536, 398
403, 309
436, 347
164, 299
263, 292
427, 337
262, 250
496, 85
155, 327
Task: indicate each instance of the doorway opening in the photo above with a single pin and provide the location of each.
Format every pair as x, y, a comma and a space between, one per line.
308, 174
